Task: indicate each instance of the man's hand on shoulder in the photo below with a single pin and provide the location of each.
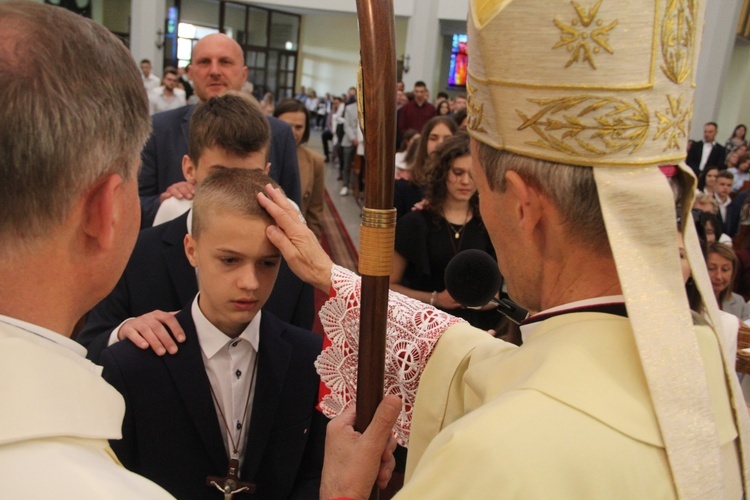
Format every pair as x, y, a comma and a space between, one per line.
153, 330
179, 190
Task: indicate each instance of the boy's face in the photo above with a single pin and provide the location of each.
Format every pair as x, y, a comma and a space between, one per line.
723, 187
213, 159
237, 267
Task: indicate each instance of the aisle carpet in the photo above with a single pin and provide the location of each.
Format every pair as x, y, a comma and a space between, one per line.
338, 244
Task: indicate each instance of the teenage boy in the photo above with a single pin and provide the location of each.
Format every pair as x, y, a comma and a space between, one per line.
724, 181
237, 402
226, 131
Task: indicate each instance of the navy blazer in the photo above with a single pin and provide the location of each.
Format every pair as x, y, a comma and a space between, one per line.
171, 431
161, 159
159, 276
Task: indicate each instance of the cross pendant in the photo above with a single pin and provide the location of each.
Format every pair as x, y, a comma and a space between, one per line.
230, 484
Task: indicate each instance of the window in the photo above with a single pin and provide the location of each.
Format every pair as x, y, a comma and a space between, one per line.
459, 61
270, 41
187, 36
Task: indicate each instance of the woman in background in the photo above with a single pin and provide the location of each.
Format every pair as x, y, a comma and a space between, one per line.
443, 108
707, 180
722, 268
311, 172
434, 132
427, 239
737, 139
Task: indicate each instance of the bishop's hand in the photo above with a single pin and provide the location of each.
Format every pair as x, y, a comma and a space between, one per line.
297, 243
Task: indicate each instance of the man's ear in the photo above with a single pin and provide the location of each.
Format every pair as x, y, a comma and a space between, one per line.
529, 204
268, 168
188, 169
190, 251
102, 211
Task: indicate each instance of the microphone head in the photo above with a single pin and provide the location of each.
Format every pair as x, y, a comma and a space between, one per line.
472, 278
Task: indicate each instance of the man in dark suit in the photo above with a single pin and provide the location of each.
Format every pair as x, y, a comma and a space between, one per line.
217, 66
238, 399
707, 151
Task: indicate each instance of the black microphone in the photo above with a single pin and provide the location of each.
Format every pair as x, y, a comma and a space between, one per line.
473, 279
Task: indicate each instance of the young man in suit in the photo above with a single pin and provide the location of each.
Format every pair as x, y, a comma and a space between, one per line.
226, 131
217, 67
237, 402
707, 151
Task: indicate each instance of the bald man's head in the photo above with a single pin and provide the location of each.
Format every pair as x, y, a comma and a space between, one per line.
217, 66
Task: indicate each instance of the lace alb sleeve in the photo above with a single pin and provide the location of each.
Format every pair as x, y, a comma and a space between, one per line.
413, 330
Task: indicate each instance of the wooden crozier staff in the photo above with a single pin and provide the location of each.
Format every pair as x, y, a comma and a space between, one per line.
377, 107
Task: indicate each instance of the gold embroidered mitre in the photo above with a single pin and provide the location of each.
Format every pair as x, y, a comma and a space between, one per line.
609, 84
584, 82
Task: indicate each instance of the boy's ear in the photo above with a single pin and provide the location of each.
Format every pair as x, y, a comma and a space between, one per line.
190, 250
188, 169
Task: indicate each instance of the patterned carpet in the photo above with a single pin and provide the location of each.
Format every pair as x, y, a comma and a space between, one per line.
337, 243
336, 240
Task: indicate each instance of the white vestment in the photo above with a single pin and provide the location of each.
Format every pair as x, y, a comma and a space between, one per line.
56, 417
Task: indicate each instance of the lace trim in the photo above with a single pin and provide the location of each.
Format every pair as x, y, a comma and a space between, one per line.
413, 330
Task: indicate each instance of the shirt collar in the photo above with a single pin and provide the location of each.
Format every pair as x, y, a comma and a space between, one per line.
44, 333
528, 329
212, 340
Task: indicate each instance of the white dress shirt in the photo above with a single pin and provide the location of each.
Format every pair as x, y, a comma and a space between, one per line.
705, 153
159, 101
151, 81
231, 367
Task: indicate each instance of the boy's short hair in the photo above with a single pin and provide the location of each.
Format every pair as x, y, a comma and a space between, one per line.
725, 174
229, 189
231, 122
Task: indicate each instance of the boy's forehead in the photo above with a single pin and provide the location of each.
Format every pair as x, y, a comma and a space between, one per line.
224, 222
221, 212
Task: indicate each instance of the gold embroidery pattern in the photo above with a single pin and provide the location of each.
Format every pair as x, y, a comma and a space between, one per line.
588, 126
578, 39
673, 122
678, 39
476, 110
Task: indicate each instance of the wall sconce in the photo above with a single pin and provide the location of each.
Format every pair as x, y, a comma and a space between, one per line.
406, 66
159, 39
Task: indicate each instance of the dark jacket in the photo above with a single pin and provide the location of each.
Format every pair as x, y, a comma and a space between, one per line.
171, 431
